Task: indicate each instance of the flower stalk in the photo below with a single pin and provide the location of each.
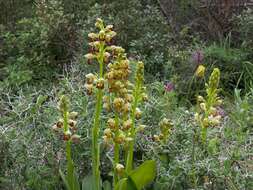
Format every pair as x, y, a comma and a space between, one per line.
139, 79
208, 114
67, 126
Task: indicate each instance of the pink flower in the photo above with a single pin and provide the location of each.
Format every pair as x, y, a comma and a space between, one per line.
198, 57
168, 87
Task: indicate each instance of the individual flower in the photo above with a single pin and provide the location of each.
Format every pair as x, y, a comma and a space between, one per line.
120, 168
169, 87
90, 78
198, 57
200, 72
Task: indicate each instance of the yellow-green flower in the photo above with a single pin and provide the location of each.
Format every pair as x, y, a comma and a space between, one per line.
200, 72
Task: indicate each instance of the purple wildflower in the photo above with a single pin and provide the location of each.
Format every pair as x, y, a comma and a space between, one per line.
169, 87
198, 57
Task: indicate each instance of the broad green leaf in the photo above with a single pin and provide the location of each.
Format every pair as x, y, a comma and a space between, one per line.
122, 184
87, 183
107, 185
75, 181
65, 181
130, 184
144, 174
138, 178
126, 184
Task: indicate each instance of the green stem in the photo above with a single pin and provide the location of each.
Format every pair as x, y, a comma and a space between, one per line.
96, 127
95, 143
129, 161
193, 159
70, 164
204, 135
116, 151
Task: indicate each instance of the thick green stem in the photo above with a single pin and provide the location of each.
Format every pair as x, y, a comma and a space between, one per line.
116, 152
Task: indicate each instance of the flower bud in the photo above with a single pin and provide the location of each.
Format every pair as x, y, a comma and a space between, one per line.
108, 132
111, 123
89, 88
120, 169
93, 36
106, 99
90, 56
66, 135
119, 49
205, 122
110, 75
144, 97
200, 99
126, 108
156, 138
120, 138
106, 139
110, 36
127, 124
107, 107
118, 84
75, 138
59, 123
123, 91
219, 102
109, 27
73, 115
102, 35
55, 128
72, 123
118, 104
99, 23
200, 72
129, 97
138, 113
106, 57
100, 84
90, 78
202, 106
214, 120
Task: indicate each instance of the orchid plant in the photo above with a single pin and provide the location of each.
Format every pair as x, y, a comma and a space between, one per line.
120, 98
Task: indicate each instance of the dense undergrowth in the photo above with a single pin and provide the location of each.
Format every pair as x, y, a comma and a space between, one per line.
42, 58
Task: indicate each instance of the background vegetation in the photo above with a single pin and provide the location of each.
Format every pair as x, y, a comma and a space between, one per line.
42, 48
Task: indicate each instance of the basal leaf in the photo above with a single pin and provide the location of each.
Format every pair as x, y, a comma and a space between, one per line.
65, 181
87, 183
144, 174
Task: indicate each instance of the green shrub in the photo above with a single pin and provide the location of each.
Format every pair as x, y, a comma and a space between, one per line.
39, 46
